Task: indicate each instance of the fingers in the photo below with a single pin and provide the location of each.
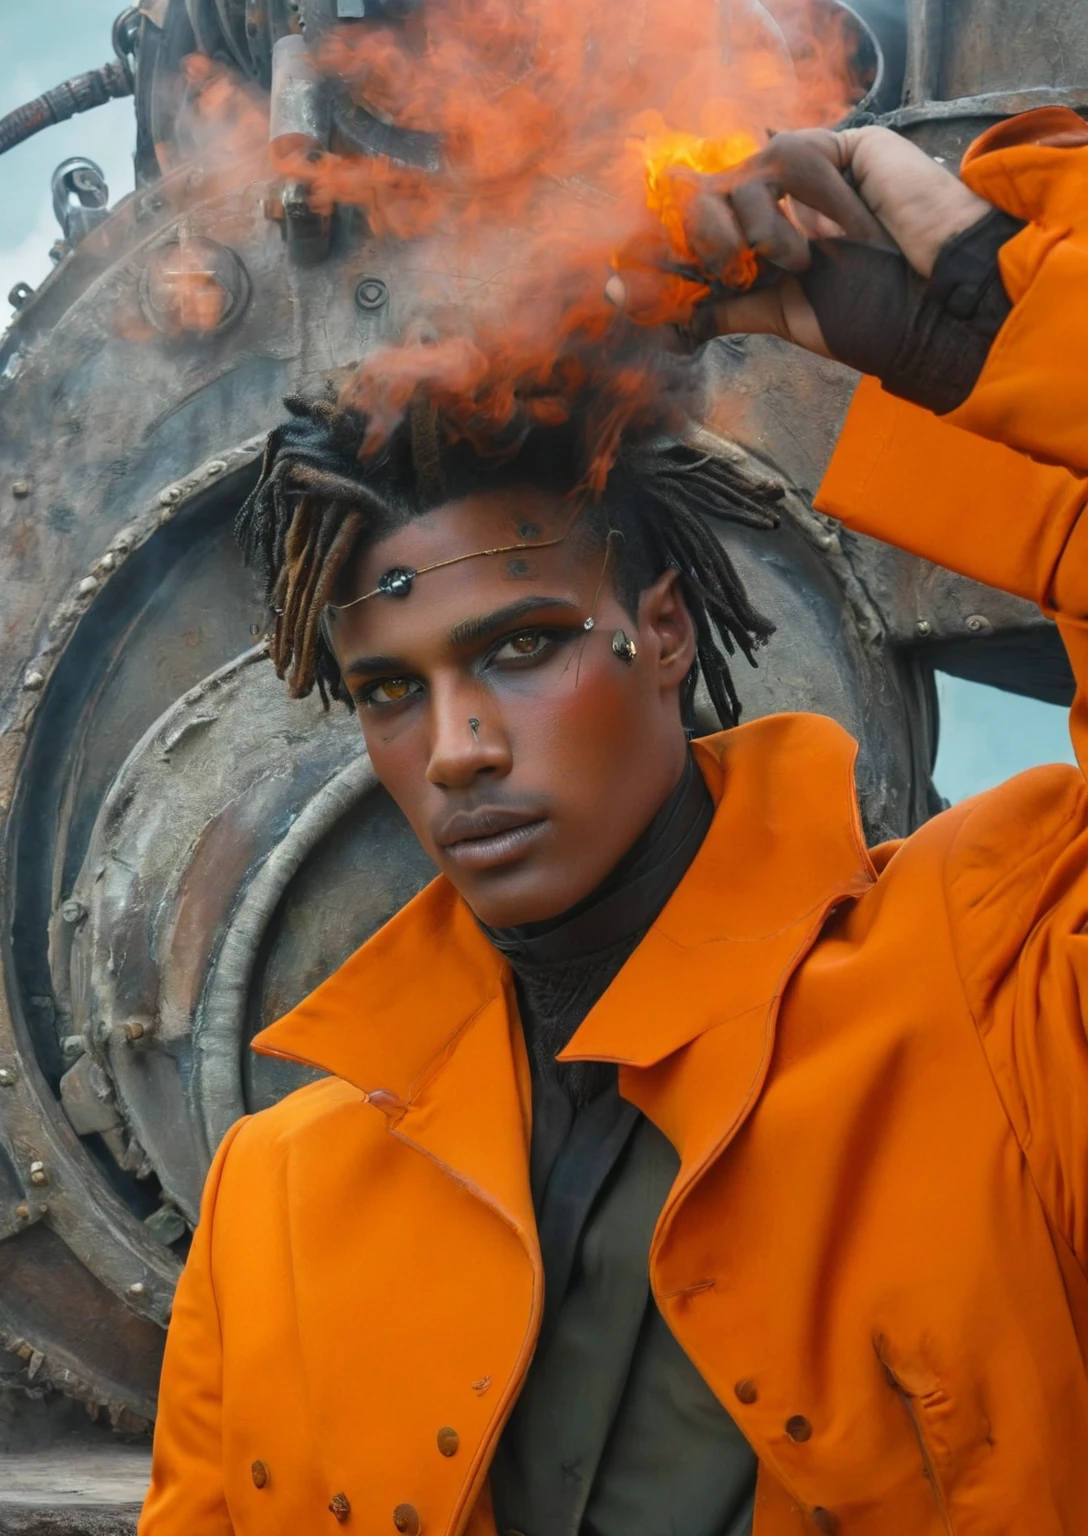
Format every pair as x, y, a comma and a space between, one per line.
750, 208
765, 224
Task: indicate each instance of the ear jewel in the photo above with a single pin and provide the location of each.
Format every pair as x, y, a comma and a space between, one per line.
624, 647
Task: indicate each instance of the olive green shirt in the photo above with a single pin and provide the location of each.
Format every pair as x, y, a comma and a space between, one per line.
615, 1432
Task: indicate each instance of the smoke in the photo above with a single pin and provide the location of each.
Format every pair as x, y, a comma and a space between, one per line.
561, 127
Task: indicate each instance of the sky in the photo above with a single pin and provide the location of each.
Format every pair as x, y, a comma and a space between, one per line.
985, 735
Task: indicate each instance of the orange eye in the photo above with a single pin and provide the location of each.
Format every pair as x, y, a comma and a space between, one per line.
391, 690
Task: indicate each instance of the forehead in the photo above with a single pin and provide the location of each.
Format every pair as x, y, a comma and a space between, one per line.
519, 516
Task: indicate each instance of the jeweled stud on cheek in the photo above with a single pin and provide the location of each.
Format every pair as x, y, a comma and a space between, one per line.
624, 647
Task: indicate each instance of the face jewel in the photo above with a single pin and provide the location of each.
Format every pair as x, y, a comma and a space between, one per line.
397, 581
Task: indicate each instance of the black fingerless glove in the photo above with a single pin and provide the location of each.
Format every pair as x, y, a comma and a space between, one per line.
926, 342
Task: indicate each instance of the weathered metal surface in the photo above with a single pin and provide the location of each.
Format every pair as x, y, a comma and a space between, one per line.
185, 852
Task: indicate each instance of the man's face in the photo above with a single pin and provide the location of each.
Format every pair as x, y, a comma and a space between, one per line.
526, 755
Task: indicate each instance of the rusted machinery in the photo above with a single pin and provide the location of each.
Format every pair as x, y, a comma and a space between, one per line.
185, 852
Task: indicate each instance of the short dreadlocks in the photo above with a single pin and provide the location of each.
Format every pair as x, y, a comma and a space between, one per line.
318, 502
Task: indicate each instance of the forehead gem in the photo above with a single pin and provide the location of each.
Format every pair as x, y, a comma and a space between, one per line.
397, 581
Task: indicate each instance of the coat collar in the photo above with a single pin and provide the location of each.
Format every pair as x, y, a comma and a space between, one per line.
784, 845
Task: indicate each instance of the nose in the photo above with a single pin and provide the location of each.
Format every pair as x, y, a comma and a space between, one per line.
468, 737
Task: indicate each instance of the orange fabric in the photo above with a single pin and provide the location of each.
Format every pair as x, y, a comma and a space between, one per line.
874, 1069
1033, 392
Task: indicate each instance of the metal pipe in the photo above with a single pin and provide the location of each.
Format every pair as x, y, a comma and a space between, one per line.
80, 94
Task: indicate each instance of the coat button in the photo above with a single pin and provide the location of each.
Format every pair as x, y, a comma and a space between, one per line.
260, 1474
449, 1441
825, 1521
406, 1520
746, 1390
798, 1428
340, 1507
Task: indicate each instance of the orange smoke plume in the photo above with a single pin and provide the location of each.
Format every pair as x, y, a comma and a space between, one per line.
564, 132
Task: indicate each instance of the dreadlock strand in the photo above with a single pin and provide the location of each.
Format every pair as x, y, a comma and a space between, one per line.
344, 534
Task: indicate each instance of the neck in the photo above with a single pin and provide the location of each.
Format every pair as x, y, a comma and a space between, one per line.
561, 967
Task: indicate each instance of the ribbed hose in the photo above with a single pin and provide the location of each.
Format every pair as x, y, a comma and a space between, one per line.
80, 94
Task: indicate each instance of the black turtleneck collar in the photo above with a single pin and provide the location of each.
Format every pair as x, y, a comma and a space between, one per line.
563, 966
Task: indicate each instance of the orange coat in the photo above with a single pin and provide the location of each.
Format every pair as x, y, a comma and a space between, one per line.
874, 1067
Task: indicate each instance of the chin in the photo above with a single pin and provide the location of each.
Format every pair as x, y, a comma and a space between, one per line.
510, 898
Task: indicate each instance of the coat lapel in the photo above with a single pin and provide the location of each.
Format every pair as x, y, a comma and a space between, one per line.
690, 1019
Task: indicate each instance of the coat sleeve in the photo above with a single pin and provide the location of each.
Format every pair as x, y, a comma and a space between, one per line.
186, 1494
998, 491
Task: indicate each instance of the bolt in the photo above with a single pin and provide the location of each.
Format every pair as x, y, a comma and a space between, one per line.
137, 1290
38, 1174
21, 489
22, 1213
977, 623
134, 1030
88, 585
149, 205
8, 1077
924, 627
73, 910
168, 497
371, 293
33, 681
72, 1046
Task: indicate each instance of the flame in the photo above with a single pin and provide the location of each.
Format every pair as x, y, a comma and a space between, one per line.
570, 133
668, 195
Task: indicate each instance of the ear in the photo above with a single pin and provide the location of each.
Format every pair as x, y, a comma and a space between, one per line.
667, 629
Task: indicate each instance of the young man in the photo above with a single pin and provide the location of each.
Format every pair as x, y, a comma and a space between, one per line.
815, 1253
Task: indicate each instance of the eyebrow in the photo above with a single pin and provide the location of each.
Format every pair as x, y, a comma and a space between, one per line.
464, 633
468, 631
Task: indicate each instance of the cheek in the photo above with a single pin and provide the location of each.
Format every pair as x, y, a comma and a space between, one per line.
580, 730
398, 753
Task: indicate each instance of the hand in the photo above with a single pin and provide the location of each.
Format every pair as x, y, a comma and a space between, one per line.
796, 190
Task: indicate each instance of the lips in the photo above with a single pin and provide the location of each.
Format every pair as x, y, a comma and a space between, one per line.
489, 835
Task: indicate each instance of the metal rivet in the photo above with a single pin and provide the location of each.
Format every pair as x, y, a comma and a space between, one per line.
73, 910
8, 1077
87, 586
924, 627
260, 1474
38, 1174
481, 1386
169, 496
746, 1391
134, 1030
137, 1290
340, 1507
371, 293
22, 1213
21, 489
33, 681
449, 1441
977, 623
798, 1428
406, 1519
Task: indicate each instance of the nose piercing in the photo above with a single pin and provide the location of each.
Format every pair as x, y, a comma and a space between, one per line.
624, 647
474, 727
